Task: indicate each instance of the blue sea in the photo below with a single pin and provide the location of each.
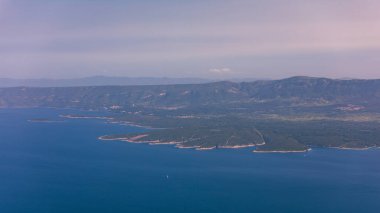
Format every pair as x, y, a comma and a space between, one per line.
63, 167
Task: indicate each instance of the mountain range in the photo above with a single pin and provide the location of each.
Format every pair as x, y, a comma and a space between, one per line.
293, 91
98, 81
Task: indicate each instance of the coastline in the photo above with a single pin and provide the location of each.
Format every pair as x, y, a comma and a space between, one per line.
241, 146
289, 151
135, 139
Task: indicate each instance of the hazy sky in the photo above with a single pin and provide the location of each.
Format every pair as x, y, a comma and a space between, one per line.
190, 38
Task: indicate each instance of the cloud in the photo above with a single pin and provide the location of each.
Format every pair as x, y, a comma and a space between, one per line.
220, 70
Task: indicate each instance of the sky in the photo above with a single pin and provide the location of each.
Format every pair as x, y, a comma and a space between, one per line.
199, 38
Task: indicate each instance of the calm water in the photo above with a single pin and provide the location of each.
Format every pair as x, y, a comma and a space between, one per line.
62, 167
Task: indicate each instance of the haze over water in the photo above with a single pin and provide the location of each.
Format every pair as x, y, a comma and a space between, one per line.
62, 167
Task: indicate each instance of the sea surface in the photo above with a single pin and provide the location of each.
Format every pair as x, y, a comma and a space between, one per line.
63, 167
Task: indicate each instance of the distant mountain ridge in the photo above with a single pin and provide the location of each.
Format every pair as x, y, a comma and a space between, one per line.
99, 81
295, 90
